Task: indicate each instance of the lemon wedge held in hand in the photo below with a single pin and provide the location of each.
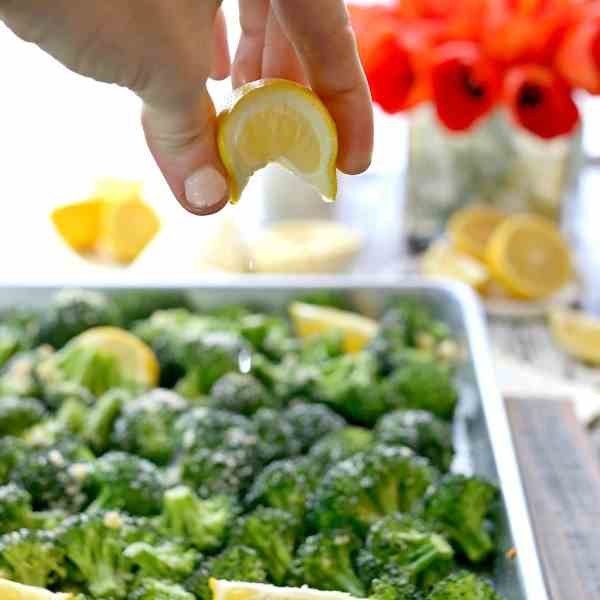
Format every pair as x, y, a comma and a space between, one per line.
79, 223
238, 590
10, 590
275, 120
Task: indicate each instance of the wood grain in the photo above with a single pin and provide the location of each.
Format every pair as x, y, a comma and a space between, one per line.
562, 484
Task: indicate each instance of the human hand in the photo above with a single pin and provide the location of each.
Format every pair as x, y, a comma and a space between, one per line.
165, 52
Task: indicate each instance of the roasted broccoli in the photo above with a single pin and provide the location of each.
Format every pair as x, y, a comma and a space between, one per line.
326, 561
463, 509
13, 450
155, 589
369, 485
126, 482
426, 434
339, 445
16, 511
275, 436
19, 414
405, 546
146, 425
242, 394
393, 587
463, 586
167, 560
203, 524
102, 417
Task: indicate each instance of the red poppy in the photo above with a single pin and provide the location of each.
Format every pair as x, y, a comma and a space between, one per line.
540, 101
465, 84
578, 58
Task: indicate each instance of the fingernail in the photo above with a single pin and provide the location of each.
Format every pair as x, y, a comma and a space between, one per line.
205, 188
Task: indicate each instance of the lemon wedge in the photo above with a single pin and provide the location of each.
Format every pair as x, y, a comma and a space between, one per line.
238, 590
578, 333
310, 319
278, 121
529, 257
78, 224
470, 229
10, 590
137, 360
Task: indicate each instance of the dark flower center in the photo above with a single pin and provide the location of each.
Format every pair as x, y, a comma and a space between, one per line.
531, 95
475, 89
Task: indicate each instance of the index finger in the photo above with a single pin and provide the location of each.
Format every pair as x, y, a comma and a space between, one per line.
324, 40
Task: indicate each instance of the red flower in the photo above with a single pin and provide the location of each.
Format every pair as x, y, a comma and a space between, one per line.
465, 84
540, 101
578, 58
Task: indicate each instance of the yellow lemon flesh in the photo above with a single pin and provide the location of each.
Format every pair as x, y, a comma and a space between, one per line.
470, 229
577, 333
136, 359
275, 120
309, 319
79, 223
529, 256
10, 590
238, 590
441, 260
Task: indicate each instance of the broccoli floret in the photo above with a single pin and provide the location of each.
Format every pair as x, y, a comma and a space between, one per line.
16, 511
268, 334
155, 589
102, 417
57, 395
311, 422
405, 546
273, 534
275, 436
369, 485
420, 430
316, 349
12, 451
419, 320
329, 298
325, 561
166, 560
72, 312
288, 379
127, 482
463, 586
235, 563
200, 523
19, 414
463, 509
339, 445
133, 306
31, 557
20, 375
19, 330
146, 425
241, 394
349, 385
392, 587
10, 342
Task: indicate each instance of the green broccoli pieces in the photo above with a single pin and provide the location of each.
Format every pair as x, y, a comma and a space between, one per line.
134, 305
339, 445
55, 396
426, 434
288, 379
369, 485
155, 589
464, 509
273, 534
393, 587
316, 349
126, 482
146, 425
203, 524
403, 545
326, 561
20, 376
463, 586
241, 393
19, 414
101, 419
16, 511
275, 436
166, 560
311, 422
13, 450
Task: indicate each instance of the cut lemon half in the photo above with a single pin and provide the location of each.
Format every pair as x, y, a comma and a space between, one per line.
137, 360
357, 331
578, 333
470, 229
10, 590
529, 256
238, 590
78, 224
442, 260
278, 121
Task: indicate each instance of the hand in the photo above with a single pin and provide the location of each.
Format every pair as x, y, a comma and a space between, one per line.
166, 50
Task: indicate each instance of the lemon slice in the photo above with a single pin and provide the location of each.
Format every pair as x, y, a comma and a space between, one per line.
136, 359
470, 229
529, 256
79, 223
305, 247
10, 590
578, 333
441, 260
238, 590
310, 319
274, 120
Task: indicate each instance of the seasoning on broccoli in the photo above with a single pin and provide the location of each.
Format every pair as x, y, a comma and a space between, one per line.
20, 375
13, 450
463, 585
16, 511
19, 414
155, 589
56, 395
339, 445
242, 394
167, 560
102, 417
393, 587
287, 379
463, 509
275, 436
403, 545
326, 561
420, 430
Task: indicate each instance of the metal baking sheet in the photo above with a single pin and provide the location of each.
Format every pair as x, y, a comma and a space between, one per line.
482, 432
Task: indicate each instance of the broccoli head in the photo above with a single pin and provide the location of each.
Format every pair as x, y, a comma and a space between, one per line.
240, 393
463, 509
32, 557
19, 414
369, 485
288, 379
57, 395
326, 561
463, 586
273, 534
18, 333
20, 376
420, 430
339, 445
203, 524
166, 560
155, 589
72, 312
16, 511
13, 450
135, 305
268, 334
403, 545
102, 417
126, 482
392, 587
146, 425
311, 422
275, 436
316, 349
